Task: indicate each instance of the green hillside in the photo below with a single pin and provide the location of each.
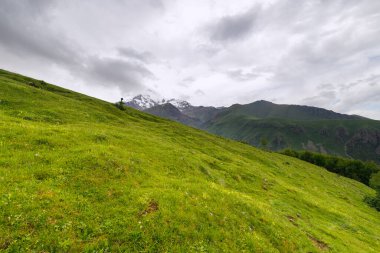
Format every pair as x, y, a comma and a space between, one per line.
284, 127
263, 109
353, 138
78, 174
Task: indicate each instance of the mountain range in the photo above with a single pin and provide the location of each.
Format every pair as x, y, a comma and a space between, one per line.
276, 126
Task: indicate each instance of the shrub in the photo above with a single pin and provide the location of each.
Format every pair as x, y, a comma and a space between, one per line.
375, 181
290, 152
375, 184
354, 169
373, 201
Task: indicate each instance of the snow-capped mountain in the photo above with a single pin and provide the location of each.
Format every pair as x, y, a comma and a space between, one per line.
144, 102
180, 104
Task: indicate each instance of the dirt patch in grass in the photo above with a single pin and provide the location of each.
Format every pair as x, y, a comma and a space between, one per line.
292, 220
318, 243
4, 244
152, 207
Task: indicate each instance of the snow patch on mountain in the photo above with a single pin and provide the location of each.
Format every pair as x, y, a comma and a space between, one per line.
143, 102
180, 104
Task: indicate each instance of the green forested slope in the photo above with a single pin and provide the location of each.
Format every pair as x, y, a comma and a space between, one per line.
78, 174
352, 138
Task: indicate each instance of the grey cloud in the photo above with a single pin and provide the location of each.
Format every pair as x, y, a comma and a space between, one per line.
325, 86
199, 92
186, 81
230, 28
323, 99
371, 80
189, 79
347, 97
358, 101
23, 31
157, 4
143, 56
375, 58
336, 50
318, 52
184, 97
241, 75
116, 72
208, 50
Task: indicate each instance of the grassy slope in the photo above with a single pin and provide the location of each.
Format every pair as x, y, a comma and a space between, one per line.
78, 174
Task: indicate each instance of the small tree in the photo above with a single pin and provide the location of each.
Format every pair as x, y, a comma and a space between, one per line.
120, 104
264, 143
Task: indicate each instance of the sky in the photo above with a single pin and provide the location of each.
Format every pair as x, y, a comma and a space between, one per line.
323, 53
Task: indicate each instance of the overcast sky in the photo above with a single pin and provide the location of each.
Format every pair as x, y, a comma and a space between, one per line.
324, 53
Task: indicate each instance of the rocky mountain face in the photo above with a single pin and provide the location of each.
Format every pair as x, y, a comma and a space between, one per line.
172, 112
279, 126
364, 142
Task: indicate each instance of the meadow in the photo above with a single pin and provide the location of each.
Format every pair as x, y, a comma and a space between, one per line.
77, 174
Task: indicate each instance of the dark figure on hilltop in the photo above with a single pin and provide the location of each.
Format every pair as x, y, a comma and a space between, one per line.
120, 104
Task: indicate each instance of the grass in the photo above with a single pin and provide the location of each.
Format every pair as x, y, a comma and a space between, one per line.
78, 174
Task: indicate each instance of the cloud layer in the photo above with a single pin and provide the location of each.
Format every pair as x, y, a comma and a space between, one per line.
321, 53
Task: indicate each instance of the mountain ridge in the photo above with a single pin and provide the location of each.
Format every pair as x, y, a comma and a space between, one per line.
298, 127
168, 110
144, 102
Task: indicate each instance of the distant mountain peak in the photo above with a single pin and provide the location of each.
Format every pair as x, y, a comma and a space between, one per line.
141, 102
144, 102
263, 102
180, 104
